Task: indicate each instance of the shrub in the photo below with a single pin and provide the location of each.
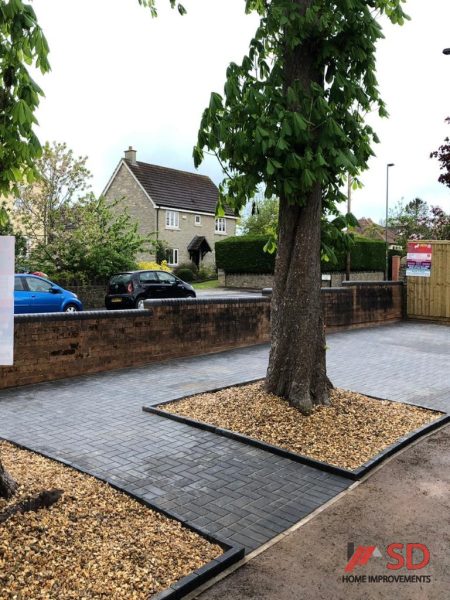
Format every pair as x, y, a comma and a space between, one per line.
185, 274
365, 255
245, 254
207, 273
190, 266
150, 265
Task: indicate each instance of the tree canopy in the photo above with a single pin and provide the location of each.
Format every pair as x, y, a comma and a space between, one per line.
416, 220
443, 156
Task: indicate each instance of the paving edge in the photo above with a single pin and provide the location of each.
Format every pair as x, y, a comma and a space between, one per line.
311, 462
189, 583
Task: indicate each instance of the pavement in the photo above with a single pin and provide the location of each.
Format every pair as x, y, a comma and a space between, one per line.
245, 495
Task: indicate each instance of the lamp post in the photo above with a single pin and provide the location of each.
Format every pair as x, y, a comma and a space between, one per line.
386, 273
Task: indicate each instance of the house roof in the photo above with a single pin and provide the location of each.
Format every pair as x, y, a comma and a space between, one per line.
177, 189
368, 228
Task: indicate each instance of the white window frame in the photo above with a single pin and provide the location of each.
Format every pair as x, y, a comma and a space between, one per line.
198, 220
173, 253
172, 219
221, 226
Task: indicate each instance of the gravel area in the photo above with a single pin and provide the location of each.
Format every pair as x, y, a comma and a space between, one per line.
347, 433
95, 542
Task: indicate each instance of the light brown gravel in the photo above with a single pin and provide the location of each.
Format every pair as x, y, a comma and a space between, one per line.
347, 433
93, 543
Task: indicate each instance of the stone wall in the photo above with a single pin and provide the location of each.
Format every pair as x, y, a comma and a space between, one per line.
260, 281
92, 296
55, 346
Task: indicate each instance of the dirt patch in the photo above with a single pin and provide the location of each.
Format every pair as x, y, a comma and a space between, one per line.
347, 433
93, 543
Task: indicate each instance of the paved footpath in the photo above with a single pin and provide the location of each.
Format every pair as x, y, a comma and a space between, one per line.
407, 501
243, 494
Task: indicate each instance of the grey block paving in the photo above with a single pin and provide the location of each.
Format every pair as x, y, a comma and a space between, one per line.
96, 423
242, 494
407, 362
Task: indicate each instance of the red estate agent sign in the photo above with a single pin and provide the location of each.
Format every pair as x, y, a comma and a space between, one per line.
419, 259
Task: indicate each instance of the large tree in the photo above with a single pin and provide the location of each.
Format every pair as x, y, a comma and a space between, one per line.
415, 220
90, 241
292, 119
62, 179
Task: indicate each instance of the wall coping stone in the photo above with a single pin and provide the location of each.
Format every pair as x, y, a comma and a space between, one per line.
146, 312
365, 283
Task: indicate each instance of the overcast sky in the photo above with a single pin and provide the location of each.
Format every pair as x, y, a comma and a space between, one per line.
121, 78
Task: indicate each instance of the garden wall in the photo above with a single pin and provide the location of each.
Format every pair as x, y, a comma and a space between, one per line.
55, 346
258, 281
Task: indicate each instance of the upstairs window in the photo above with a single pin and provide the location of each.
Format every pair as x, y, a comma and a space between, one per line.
198, 220
221, 225
172, 219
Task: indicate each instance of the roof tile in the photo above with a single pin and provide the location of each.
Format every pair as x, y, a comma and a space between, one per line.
177, 189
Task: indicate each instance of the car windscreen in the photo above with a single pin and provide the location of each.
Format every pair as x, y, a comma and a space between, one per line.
118, 284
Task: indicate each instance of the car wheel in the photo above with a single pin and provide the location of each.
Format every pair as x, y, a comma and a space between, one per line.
71, 308
140, 303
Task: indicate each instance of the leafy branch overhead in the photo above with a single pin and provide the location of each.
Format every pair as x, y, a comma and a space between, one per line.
22, 44
291, 139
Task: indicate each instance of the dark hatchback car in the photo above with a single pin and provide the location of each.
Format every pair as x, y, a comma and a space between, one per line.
129, 290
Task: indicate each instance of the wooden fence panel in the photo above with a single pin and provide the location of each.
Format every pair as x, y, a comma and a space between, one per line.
429, 297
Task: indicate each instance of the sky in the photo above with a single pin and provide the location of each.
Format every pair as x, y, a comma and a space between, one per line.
121, 78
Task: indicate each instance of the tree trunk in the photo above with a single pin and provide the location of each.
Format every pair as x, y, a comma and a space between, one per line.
7, 484
297, 368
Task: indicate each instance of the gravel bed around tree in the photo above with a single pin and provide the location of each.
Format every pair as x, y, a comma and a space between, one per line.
95, 542
347, 433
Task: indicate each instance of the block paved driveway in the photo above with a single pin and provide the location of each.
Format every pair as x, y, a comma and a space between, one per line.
243, 494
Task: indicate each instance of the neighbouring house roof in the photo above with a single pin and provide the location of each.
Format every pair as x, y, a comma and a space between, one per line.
181, 190
369, 229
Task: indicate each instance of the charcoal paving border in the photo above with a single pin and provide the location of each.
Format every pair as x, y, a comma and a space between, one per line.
231, 553
354, 474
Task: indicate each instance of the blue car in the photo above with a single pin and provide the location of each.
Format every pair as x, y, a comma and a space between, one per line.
33, 294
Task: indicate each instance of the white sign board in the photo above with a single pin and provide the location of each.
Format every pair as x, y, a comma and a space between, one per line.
6, 300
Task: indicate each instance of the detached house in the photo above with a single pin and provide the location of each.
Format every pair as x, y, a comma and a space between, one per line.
176, 206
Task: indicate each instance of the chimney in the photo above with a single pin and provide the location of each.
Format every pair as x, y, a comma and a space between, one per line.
130, 155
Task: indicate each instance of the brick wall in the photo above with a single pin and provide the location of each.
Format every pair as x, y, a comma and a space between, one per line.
55, 346
362, 304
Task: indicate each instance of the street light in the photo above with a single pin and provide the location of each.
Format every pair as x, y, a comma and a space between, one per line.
386, 272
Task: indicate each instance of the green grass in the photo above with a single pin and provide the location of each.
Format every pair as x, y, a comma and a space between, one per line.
206, 285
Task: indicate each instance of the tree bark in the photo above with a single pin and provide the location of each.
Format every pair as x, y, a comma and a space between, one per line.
297, 367
7, 484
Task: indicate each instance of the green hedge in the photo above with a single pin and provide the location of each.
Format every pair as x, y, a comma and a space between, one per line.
245, 254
